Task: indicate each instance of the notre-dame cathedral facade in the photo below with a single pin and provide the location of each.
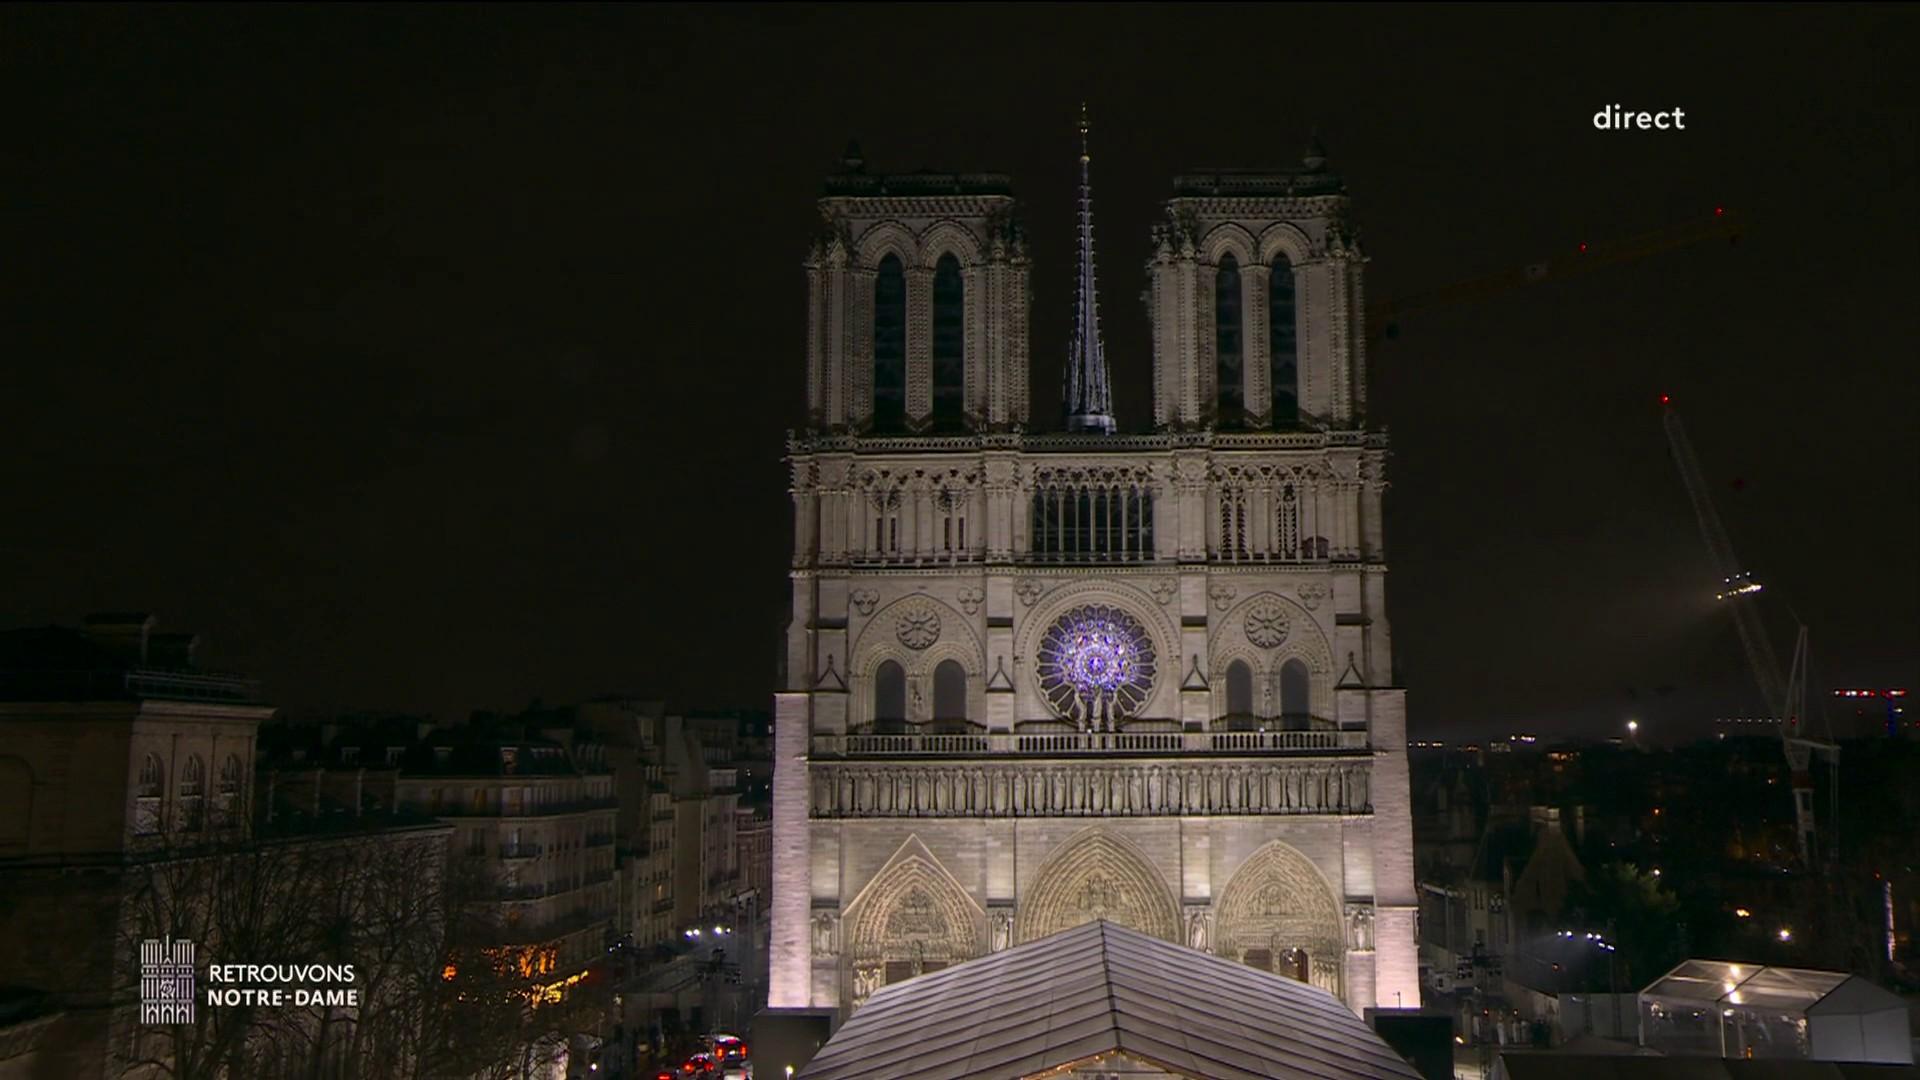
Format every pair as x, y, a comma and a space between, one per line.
1037, 678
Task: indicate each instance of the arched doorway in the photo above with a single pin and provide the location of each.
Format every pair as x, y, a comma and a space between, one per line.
1279, 914
912, 919
1098, 876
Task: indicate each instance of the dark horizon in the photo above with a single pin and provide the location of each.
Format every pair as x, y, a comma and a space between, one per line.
437, 360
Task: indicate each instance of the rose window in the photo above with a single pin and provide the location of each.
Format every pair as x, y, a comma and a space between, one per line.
1096, 666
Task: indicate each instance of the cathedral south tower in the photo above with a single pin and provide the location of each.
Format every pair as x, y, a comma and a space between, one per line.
1040, 673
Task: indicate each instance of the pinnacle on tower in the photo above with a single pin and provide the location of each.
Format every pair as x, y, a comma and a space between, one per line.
1088, 399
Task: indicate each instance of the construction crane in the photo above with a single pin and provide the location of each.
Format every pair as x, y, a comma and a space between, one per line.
1383, 319
1787, 694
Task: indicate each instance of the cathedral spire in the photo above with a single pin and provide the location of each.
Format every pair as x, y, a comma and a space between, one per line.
1088, 400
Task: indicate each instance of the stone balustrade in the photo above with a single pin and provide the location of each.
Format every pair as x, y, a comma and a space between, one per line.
1088, 742
852, 789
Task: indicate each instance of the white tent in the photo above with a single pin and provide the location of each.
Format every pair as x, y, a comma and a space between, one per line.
1858, 1021
1748, 1011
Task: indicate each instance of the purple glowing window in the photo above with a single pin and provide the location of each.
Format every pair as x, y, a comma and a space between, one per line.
1096, 665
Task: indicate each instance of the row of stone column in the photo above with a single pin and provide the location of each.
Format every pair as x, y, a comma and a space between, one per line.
1069, 790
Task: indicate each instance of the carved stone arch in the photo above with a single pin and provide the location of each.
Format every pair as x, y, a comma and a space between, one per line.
949, 237
968, 656
1305, 635
882, 628
1306, 641
1276, 901
1222, 657
1135, 601
1228, 237
1098, 875
912, 912
888, 238
880, 639
1284, 238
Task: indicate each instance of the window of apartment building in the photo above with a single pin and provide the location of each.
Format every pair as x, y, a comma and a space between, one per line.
193, 780
226, 805
147, 796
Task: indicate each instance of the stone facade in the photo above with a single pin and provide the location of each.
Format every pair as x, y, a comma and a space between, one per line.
1037, 679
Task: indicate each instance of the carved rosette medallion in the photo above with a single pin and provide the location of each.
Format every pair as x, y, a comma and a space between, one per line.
918, 627
1267, 624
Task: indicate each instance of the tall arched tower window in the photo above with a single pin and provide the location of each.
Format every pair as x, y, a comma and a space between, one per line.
227, 808
890, 346
1227, 349
949, 343
1239, 691
193, 790
889, 697
1283, 344
147, 797
949, 691
1296, 698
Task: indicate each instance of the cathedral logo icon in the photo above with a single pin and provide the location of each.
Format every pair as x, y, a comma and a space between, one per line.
166, 981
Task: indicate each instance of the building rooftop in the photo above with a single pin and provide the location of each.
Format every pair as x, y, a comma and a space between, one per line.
1100, 991
115, 658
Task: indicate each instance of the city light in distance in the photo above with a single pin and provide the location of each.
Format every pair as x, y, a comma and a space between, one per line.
1743, 913
1786, 934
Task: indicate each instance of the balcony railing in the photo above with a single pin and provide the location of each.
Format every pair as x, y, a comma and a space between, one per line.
599, 839
1082, 742
520, 851
448, 809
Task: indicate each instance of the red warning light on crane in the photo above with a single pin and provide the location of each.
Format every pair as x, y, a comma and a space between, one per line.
1583, 249
1664, 399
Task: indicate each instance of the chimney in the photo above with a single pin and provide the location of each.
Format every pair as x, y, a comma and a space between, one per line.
172, 650
125, 633
1545, 817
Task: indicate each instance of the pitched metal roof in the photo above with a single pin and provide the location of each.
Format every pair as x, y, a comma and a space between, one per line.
1098, 991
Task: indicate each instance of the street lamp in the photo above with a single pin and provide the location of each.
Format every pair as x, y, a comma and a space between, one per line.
1633, 732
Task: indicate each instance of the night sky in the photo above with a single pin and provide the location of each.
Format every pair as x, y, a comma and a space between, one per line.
430, 359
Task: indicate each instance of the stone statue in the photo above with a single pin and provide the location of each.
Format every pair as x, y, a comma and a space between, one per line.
1360, 927
865, 981
823, 935
1197, 931
1002, 931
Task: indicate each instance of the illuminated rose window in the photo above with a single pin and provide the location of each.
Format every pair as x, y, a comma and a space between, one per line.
1096, 666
